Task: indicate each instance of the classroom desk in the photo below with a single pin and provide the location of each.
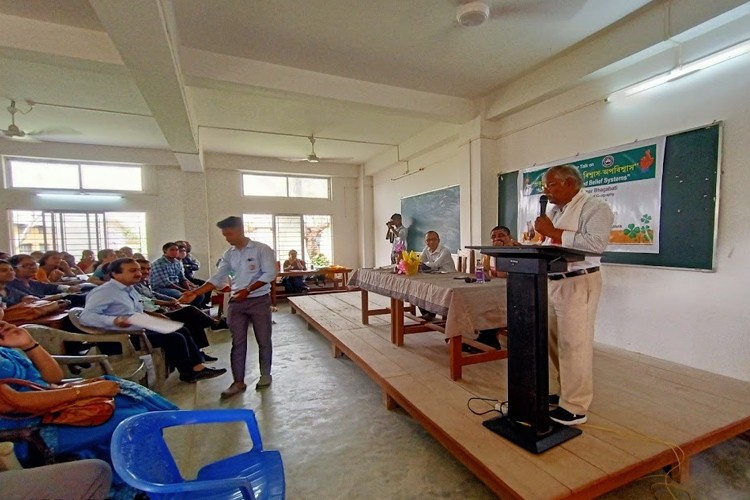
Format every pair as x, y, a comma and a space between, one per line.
467, 307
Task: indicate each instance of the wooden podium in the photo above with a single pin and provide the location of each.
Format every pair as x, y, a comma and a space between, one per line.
528, 424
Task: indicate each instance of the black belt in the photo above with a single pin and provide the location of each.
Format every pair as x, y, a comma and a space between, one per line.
571, 274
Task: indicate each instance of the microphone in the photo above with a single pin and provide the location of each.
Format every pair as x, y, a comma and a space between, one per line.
543, 205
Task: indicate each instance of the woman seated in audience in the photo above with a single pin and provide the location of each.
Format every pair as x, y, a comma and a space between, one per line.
52, 268
71, 262
25, 269
87, 262
23, 358
19, 306
105, 257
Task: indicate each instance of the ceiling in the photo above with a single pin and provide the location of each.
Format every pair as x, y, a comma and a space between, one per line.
254, 77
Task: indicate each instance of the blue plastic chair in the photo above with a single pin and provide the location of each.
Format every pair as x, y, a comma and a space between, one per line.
143, 460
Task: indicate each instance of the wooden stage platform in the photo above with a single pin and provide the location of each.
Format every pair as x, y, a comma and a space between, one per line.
643, 409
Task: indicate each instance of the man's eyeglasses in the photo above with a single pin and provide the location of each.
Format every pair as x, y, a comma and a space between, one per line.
29, 264
550, 185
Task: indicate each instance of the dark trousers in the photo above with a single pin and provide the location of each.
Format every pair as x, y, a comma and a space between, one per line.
180, 350
196, 321
242, 313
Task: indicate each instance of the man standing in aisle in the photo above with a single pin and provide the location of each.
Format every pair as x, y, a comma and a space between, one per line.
254, 267
583, 222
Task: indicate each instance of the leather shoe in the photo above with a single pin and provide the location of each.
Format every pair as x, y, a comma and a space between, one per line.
209, 359
220, 325
234, 389
204, 374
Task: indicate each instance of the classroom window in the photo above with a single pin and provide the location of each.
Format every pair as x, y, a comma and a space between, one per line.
74, 232
73, 176
286, 186
310, 235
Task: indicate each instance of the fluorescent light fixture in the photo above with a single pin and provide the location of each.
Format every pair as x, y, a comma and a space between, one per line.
684, 70
81, 196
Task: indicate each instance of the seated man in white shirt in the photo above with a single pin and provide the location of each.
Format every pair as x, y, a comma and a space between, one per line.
435, 258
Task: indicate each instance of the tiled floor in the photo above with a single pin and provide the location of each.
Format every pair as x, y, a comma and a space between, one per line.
339, 442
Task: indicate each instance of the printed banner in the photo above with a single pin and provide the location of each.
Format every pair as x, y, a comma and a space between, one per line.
628, 178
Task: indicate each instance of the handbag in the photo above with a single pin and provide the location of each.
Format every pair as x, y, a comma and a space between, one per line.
33, 311
85, 412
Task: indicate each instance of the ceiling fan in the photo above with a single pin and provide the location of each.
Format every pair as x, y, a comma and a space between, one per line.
471, 13
14, 132
312, 157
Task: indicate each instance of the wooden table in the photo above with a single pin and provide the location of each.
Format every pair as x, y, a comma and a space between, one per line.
338, 281
466, 307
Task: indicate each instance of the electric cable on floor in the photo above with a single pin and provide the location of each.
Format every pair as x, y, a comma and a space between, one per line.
500, 407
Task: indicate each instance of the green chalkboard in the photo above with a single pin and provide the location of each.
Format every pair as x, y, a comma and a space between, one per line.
688, 203
437, 210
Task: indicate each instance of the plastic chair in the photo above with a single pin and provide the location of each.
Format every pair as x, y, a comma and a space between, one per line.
156, 380
143, 460
127, 365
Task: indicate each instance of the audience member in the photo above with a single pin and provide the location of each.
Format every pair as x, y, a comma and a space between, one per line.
113, 303
126, 252
105, 257
36, 255
71, 263
25, 269
19, 306
22, 357
294, 284
89, 479
87, 262
168, 276
254, 267
195, 320
189, 263
50, 270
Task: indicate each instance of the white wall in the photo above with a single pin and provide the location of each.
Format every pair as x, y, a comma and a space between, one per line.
183, 205
694, 318
445, 166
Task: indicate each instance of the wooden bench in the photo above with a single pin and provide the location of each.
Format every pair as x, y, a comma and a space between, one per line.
335, 281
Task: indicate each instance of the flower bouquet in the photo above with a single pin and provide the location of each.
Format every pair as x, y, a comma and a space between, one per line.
409, 263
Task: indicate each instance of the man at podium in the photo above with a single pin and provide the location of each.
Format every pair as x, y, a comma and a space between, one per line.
583, 222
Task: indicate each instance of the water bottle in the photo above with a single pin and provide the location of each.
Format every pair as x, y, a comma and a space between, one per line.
479, 271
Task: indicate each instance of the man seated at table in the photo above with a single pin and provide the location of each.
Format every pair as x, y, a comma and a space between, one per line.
110, 305
435, 258
294, 284
500, 237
